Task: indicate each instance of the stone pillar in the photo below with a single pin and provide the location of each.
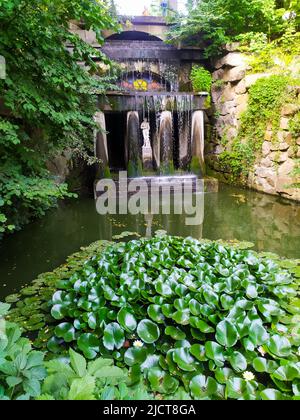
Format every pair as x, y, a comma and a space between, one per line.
198, 163
156, 149
101, 150
184, 142
166, 143
132, 145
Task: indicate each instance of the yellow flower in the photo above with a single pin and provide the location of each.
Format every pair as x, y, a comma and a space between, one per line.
138, 344
261, 351
248, 376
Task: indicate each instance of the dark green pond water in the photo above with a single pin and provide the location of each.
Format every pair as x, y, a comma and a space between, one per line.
271, 223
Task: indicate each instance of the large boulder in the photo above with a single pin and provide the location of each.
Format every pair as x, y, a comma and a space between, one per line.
234, 74
233, 59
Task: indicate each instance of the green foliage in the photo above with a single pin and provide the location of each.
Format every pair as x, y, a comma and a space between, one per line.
21, 368
201, 79
76, 379
218, 22
276, 56
215, 321
47, 99
23, 197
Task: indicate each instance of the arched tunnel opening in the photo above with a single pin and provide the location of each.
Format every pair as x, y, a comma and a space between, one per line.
116, 127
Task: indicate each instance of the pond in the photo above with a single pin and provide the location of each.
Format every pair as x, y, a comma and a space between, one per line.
271, 223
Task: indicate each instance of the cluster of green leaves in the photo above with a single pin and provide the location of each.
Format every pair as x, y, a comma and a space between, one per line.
24, 197
276, 56
47, 100
21, 368
266, 97
201, 79
190, 318
31, 308
75, 379
218, 22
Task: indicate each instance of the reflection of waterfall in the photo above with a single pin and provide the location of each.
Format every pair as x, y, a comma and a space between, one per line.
166, 143
133, 148
197, 138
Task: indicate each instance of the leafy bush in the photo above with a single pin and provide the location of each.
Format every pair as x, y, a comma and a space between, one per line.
21, 368
23, 198
217, 22
217, 321
47, 100
201, 79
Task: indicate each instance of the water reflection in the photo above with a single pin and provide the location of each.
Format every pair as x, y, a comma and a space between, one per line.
272, 224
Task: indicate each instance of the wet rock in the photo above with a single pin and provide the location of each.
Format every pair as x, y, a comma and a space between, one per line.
228, 93
235, 74
266, 148
227, 107
290, 109
233, 59
268, 136
287, 167
284, 123
218, 74
279, 157
266, 162
279, 146
240, 87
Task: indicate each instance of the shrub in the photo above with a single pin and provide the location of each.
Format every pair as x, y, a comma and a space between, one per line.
21, 368
201, 79
217, 321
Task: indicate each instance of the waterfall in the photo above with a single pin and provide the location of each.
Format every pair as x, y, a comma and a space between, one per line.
198, 164
133, 148
166, 143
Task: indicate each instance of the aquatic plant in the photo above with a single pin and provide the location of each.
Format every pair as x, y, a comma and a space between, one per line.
215, 321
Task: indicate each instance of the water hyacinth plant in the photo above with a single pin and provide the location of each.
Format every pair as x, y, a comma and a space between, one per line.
202, 319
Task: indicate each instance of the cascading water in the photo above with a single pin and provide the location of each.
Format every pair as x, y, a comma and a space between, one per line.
198, 163
166, 143
133, 147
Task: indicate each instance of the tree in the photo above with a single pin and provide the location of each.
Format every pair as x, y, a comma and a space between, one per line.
46, 100
220, 21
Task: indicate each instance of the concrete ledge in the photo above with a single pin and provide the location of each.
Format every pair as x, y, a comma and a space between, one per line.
123, 101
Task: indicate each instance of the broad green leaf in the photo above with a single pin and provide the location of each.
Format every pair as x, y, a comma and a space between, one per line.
175, 333
226, 333
280, 346
215, 352
135, 356
65, 331
127, 320
148, 331
78, 363
183, 359
202, 386
238, 361
113, 336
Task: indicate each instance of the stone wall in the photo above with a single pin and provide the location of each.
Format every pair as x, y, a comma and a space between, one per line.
273, 169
